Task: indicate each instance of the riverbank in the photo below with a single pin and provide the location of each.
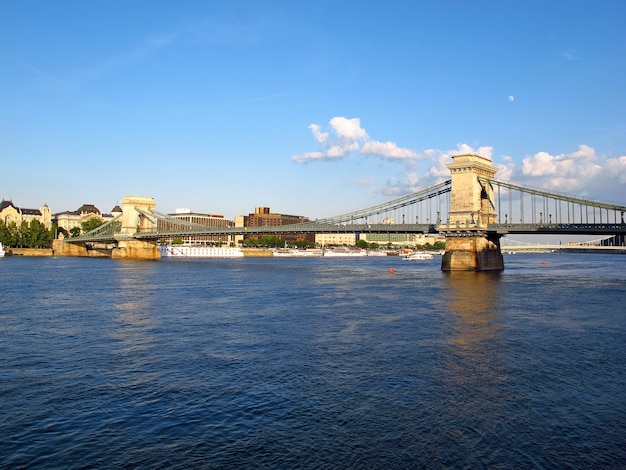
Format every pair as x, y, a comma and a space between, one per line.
257, 252
40, 252
29, 252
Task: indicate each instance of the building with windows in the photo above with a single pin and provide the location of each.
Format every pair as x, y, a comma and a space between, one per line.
69, 220
196, 218
335, 239
264, 217
401, 239
9, 213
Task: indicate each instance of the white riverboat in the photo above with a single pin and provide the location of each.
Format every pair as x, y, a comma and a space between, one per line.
376, 253
1, 251
418, 256
198, 251
344, 252
294, 252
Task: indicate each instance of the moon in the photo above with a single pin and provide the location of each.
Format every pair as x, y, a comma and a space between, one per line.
511, 98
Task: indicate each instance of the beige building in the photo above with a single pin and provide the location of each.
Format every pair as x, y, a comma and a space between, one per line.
396, 239
401, 239
73, 219
9, 212
207, 220
335, 239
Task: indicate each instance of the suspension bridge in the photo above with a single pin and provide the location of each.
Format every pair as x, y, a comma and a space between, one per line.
472, 209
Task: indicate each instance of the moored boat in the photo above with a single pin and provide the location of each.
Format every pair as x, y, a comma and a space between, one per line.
418, 256
344, 252
376, 253
290, 253
1, 251
198, 251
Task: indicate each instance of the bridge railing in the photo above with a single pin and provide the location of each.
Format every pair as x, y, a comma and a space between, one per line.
105, 232
566, 229
311, 227
438, 193
523, 205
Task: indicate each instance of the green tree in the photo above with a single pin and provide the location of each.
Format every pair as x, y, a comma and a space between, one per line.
252, 241
304, 244
362, 244
271, 241
14, 236
90, 224
23, 235
5, 235
39, 235
177, 241
75, 231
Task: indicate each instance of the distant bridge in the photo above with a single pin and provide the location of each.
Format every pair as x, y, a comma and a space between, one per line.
472, 209
563, 248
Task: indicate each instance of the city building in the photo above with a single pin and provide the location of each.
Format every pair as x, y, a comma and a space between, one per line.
9, 212
196, 218
335, 239
264, 217
69, 220
401, 239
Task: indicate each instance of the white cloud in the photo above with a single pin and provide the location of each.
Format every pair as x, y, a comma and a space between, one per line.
579, 173
349, 129
463, 149
617, 168
387, 150
346, 136
309, 156
319, 136
505, 169
564, 169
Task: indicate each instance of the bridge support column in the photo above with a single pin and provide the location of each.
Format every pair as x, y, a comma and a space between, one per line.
472, 252
134, 221
469, 247
61, 248
136, 249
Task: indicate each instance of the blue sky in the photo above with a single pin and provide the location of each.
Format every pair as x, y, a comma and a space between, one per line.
308, 107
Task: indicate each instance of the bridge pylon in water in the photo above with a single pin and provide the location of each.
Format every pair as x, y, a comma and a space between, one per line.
128, 247
469, 247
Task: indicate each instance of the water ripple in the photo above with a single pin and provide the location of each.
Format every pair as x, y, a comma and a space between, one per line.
312, 364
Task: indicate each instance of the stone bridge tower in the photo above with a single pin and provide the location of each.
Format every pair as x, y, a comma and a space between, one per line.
134, 221
468, 245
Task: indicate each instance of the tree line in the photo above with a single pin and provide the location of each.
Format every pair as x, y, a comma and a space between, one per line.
26, 235
34, 234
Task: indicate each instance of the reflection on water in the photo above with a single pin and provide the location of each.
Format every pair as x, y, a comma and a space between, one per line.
132, 327
472, 372
472, 299
134, 292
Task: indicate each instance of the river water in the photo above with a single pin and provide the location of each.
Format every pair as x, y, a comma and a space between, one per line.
312, 363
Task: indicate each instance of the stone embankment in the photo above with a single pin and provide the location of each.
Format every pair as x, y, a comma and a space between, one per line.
41, 252
257, 252
28, 251
59, 248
